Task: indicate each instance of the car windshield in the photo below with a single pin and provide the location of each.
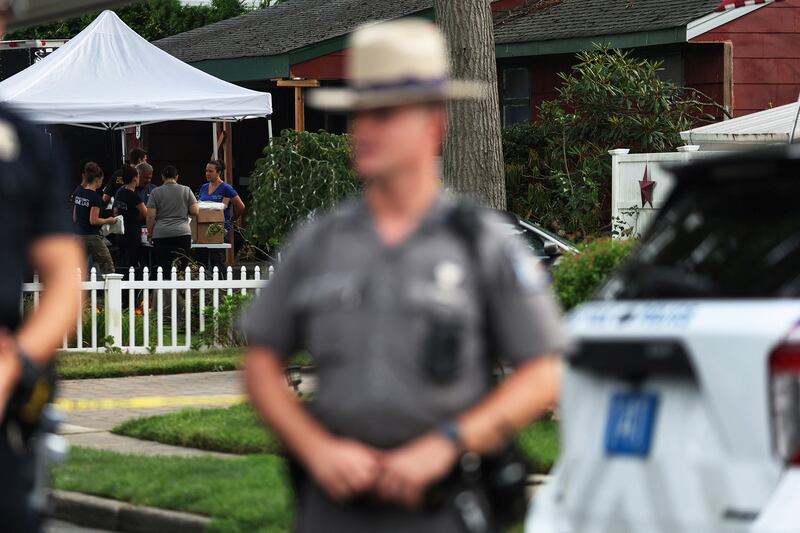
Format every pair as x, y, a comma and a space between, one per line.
735, 239
534, 241
550, 235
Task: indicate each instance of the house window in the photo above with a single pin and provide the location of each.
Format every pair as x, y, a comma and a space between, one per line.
516, 96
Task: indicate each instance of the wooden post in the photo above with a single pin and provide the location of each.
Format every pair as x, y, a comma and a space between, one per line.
227, 132
727, 80
299, 109
299, 99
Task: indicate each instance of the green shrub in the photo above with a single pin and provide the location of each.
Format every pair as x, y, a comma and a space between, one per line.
300, 174
222, 325
578, 276
558, 171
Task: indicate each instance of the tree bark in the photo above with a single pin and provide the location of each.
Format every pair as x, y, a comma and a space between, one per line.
473, 154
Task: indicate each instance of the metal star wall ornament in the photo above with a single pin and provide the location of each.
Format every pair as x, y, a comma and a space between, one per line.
646, 187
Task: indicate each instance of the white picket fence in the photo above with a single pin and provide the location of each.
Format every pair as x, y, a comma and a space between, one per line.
166, 298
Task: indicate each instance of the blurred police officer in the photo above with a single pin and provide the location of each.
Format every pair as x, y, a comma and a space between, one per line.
395, 295
36, 235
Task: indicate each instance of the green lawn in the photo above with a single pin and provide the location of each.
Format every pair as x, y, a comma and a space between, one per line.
231, 430
241, 495
114, 365
84, 365
237, 430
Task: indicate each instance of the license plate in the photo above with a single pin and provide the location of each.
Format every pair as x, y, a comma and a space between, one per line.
631, 419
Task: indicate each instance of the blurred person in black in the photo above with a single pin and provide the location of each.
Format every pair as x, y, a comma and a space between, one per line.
39, 237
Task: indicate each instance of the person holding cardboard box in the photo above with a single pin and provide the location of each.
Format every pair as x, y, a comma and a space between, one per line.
168, 211
216, 190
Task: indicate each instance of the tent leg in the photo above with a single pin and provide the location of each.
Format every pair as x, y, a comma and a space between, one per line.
124, 144
227, 129
215, 140
269, 129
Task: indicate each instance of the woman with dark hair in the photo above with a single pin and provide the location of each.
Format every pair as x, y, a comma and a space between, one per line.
87, 204
168, 211
130, 205
216, 190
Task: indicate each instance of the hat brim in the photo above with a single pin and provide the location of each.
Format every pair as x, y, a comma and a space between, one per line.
347, 99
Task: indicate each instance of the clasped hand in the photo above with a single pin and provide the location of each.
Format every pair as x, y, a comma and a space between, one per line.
346, 469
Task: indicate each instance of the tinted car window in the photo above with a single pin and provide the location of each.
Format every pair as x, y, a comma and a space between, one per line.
717, 239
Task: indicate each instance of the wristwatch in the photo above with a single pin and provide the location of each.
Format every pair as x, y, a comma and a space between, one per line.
449, 429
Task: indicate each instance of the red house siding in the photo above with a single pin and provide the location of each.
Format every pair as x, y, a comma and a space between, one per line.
329, 67
704, 70
765, 45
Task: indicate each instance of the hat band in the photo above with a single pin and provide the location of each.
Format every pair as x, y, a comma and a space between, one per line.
408, 83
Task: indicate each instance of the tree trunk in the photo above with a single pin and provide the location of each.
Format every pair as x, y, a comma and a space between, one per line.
473, 154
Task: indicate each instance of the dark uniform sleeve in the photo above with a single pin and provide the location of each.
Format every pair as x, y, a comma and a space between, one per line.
52, 178
525, 319
273, 321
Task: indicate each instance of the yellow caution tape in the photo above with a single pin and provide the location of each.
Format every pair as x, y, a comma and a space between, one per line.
147, 402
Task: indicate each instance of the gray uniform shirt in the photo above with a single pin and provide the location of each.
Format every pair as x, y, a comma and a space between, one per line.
368, 314
171, 202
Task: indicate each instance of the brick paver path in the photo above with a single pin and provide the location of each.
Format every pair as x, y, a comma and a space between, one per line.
204, 384
90, 427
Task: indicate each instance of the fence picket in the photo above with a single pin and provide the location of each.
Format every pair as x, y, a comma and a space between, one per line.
146, 308
202, 277
215, 297
93, 279
188, 306
79, 328
230, 278
131, 310
257, 277
160, 309
174, 309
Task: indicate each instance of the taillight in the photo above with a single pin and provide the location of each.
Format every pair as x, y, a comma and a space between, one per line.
784, 367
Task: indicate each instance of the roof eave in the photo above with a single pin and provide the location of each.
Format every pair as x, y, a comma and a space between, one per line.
577, 44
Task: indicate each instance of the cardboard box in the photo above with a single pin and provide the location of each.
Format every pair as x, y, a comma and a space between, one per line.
203, 222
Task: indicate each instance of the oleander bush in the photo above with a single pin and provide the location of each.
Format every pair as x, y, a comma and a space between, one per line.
300, 175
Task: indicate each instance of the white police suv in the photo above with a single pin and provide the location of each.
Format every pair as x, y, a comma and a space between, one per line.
681, 404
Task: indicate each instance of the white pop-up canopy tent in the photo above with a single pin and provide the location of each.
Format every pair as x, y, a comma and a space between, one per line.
108, 77
771, 126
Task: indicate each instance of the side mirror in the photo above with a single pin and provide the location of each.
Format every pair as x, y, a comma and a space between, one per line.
551, 249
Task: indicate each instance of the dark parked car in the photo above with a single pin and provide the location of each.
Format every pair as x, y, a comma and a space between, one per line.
548, 246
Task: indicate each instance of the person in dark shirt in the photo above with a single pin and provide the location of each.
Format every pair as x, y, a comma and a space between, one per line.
86, 215
130, 206
135, 157
82, 184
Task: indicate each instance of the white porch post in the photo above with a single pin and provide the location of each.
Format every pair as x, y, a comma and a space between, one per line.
114, 308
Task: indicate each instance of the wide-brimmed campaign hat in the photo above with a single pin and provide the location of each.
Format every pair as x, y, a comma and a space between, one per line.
396, 63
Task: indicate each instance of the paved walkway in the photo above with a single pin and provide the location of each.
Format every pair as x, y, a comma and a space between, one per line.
91, 407
217, 388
